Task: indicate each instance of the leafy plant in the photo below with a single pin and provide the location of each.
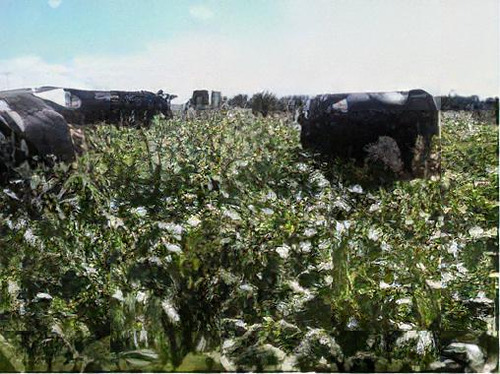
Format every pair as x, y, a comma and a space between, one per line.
220, 244
264, 103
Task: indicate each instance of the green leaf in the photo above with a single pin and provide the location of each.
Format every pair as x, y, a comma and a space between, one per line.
10, 359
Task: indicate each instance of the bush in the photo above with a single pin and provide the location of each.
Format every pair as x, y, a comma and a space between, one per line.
192, 245
239, 101
265, 103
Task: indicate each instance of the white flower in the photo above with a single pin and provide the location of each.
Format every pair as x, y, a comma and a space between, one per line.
453, 248
297, 288
491, 233
327, 265
231, 214
271, 196
320, 180
424, 215
283, 251
141, 297
324, 244
385, 246
170, 311
43, 296
342, 204
481, 298
476, 232
229, 343
374, 207
114, 222
310, 232
193, 221
118, 295
461, 268
11, 194
305, 246
267, 211
405, 326
173, 248
240, 323
154, 260
341, 226
355, 189
90, 269
328, 280
140, 211
302, 167
446, 277
320, 222
12, 287
374, 234
352, 324
29, 237
404, 300
384, 286
434, 284
246, 287
172, 228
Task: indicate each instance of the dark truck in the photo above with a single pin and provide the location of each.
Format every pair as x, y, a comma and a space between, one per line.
117, 107
36, 121
343, 125
29, 126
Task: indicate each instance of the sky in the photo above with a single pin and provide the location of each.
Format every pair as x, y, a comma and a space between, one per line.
247, 46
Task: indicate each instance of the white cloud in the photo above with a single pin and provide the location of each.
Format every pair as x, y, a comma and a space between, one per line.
317, 51
54, 3
33, 71
200, 12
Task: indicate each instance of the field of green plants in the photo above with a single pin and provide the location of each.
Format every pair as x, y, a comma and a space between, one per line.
220, 245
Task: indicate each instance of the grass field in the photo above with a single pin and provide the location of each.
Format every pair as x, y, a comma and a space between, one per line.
219, 244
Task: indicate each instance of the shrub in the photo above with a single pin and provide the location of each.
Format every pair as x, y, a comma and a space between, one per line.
239, 101
191, 245
264, 103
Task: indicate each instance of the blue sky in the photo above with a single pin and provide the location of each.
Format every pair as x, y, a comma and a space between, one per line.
286, 46
59, 30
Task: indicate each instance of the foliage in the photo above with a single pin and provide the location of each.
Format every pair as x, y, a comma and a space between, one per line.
219, 244
265, 103
240, 101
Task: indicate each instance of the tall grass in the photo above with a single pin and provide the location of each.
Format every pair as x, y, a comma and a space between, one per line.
220, 244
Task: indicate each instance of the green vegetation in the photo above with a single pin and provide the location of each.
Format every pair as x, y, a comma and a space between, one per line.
220, 245
265, 103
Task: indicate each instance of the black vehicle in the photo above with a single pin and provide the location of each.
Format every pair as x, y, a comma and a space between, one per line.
343, 125
118, 107
29, 126
35, 122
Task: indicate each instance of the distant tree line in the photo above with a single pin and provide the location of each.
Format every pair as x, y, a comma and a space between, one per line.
267, 103
457, 102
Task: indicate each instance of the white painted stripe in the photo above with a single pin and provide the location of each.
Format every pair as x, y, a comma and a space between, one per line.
57, 95
4, 106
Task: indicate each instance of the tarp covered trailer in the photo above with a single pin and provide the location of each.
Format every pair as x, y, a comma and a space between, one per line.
85, 107
36, 121
343, 125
